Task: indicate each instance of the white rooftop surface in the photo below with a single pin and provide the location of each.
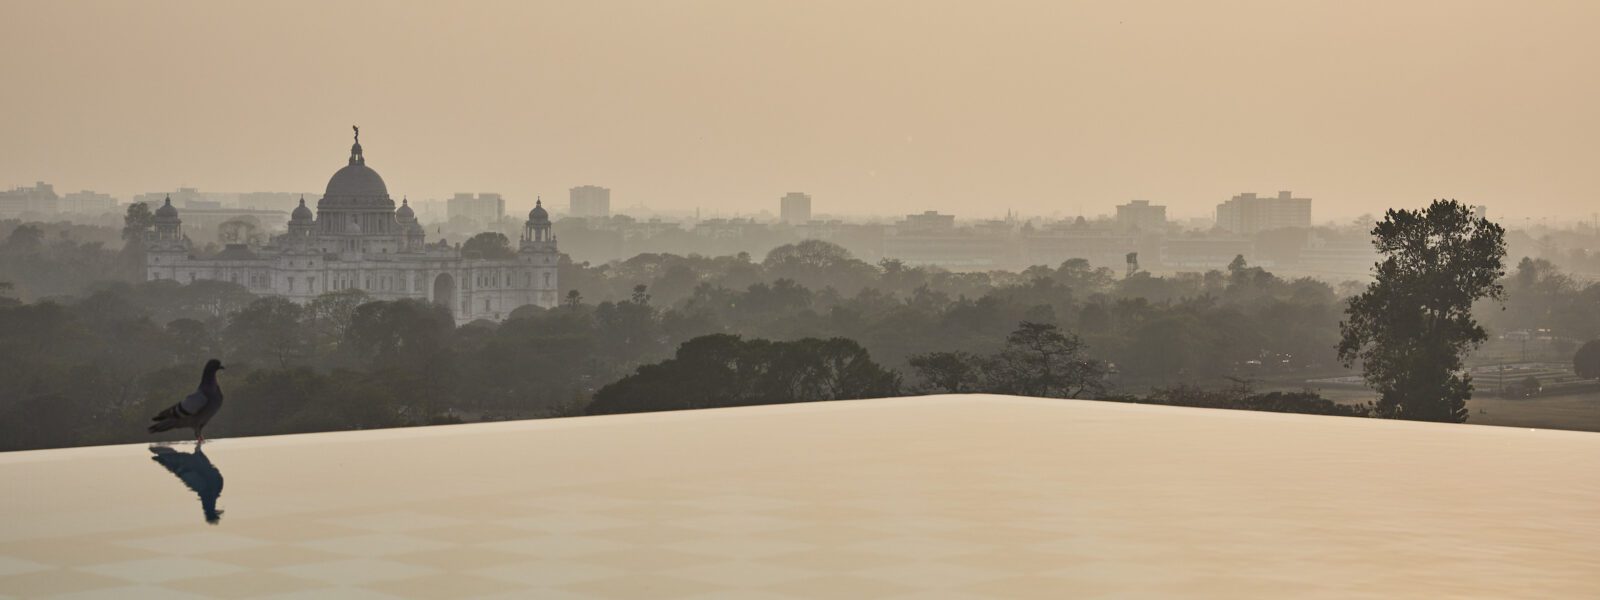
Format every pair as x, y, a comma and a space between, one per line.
939, 497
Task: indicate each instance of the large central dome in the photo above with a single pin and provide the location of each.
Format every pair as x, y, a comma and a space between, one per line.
356, 184
356, 180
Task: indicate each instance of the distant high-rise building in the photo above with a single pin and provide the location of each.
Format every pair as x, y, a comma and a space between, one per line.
589, 201
1141, 215
795, 208
88, 203
41, 198
483, 208
1249, 214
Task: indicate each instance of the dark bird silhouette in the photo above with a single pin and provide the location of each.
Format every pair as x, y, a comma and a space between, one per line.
197, 409
196, 472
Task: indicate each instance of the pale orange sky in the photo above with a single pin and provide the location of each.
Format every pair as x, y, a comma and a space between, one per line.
872, 107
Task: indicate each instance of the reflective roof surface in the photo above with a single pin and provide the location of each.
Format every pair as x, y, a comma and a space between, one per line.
950, 497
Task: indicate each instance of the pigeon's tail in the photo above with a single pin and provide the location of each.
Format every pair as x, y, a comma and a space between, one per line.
161, 426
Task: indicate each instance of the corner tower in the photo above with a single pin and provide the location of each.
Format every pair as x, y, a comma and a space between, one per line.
539, 253
168, 230
536, 231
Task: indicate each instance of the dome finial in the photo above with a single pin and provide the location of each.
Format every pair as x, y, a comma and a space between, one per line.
355, 150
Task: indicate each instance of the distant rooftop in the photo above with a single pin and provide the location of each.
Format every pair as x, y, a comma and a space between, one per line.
954, 496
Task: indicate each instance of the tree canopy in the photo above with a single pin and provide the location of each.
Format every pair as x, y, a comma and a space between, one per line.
1411, 327
1038, 360
724, 370
489, 244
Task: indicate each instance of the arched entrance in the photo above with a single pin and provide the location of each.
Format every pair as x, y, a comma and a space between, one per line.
444, 291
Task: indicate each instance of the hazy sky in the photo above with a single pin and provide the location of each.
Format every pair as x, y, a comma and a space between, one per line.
872, 107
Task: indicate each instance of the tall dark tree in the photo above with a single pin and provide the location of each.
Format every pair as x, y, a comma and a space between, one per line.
1411, 327
136, 223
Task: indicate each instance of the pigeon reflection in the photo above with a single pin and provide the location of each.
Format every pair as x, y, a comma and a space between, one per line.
197, 472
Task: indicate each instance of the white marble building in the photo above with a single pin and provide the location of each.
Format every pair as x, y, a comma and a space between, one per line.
358, 240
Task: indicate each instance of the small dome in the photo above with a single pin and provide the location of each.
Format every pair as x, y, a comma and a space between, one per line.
167, 210
301, 213
404, 214
538, 213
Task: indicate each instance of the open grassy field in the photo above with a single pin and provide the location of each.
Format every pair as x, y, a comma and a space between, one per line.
1576, 411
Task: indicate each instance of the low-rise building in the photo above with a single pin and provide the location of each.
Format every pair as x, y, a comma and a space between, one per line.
1141, 215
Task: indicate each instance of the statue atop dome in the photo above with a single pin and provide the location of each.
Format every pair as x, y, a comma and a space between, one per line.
355, 149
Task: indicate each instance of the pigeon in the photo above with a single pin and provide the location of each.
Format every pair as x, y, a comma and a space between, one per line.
197, 409
196, 472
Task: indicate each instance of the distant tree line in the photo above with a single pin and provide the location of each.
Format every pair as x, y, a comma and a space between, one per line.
660, 332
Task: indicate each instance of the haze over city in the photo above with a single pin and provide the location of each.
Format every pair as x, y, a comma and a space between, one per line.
800, 299
872, 108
